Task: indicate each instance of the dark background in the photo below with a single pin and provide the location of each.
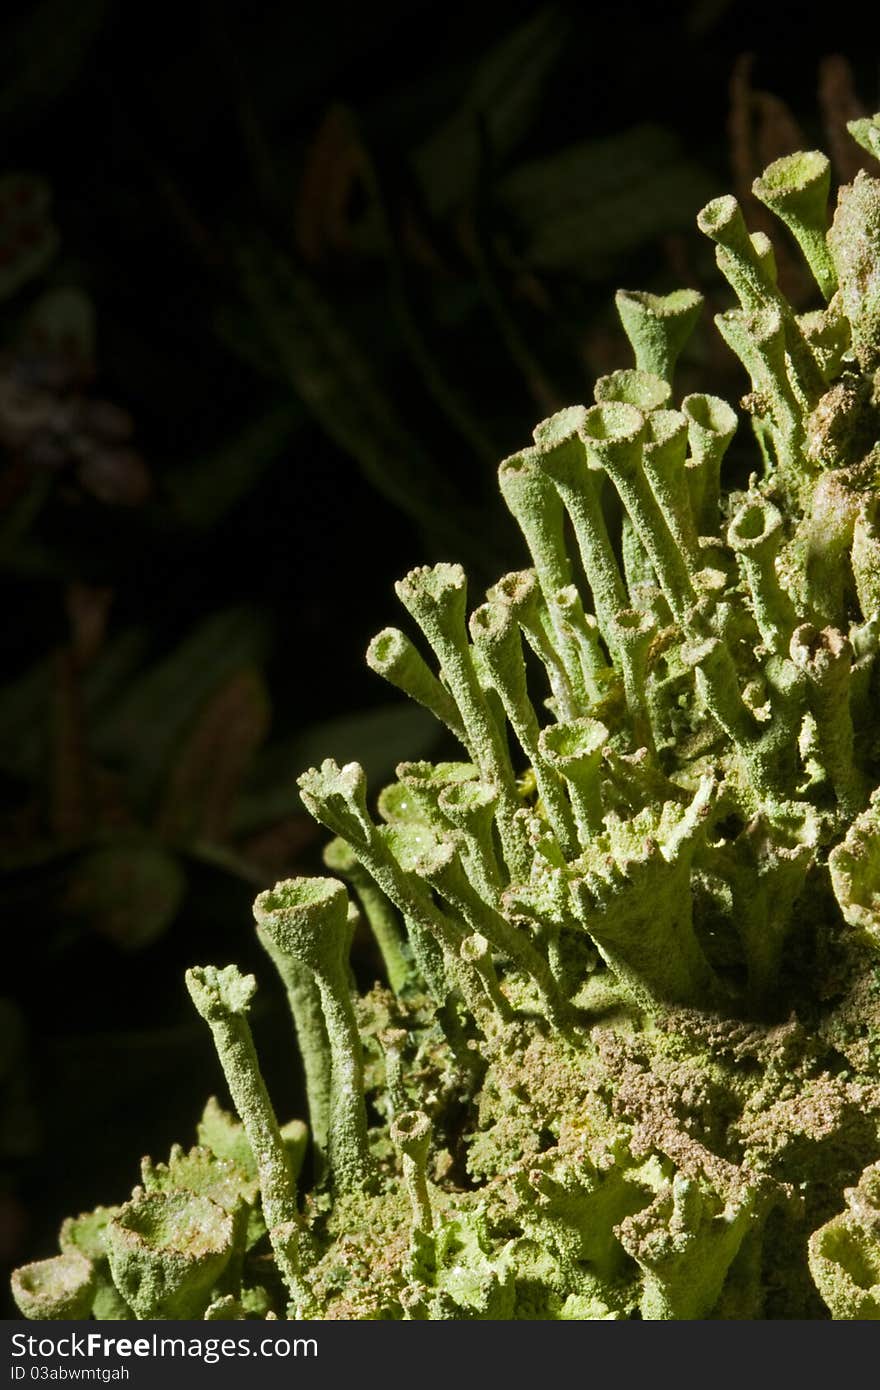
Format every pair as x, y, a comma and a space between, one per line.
279, 286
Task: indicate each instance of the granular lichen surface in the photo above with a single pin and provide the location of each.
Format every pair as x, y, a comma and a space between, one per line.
625, 1058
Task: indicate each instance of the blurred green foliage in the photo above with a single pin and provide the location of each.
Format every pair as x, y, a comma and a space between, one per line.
285, 291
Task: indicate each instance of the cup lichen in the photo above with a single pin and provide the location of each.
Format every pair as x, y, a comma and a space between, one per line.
626, 1063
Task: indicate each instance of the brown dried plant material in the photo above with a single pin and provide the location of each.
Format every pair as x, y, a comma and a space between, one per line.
334, 166
208, 771
761, 128
840, 103
88, 608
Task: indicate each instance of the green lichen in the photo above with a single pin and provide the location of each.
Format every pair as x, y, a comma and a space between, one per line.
626, 1060
62, 1287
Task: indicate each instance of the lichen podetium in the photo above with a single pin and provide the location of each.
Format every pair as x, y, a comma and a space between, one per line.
626, 1059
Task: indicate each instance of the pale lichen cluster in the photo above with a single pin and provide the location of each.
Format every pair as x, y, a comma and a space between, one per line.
626, 1059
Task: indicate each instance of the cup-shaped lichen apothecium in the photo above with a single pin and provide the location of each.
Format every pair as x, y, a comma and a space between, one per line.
624, 1060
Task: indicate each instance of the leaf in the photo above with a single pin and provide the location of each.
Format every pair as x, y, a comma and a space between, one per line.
109, 675
133, 716
62, 324
378, 740
601, 199
144, 728
496, 111
215, 757
204, 492
332, 168
273, 852
43, 54
336, 380
129, 893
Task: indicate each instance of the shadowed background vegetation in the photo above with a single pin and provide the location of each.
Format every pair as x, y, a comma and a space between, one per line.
279, 287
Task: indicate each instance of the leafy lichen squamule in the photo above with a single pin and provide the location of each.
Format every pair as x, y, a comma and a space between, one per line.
627, 1059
